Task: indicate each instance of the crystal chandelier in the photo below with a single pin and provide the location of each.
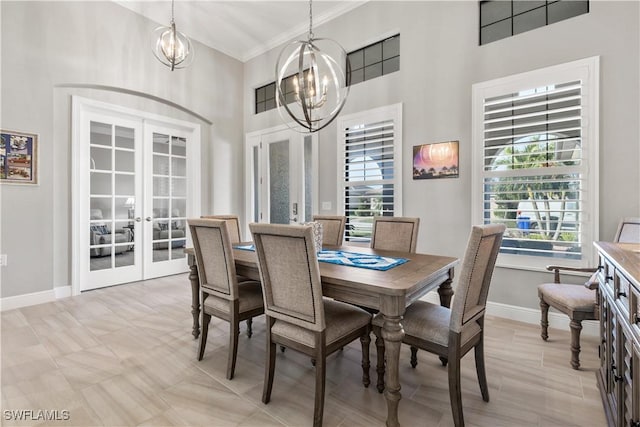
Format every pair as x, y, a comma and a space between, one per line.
172, 47
312, 81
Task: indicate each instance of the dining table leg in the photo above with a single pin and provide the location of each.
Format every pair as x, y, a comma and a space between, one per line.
445, 291
392, 333
195, 295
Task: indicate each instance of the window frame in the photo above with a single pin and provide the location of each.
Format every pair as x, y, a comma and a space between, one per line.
587, 71
387, 113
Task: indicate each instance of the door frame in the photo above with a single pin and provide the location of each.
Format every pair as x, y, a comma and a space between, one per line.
253, 139
81, 107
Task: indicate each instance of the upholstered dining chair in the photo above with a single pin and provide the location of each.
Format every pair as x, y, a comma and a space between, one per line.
576, 301
298, 316
221, 295
234, 226
451, 333
332, 228
394, 233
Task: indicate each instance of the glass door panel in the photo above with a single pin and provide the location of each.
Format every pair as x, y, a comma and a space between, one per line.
279, 188
112, 190
169, 200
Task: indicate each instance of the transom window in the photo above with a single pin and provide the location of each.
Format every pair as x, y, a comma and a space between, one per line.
375, 60
504, 18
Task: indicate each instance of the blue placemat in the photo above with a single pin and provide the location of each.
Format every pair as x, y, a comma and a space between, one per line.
352, 259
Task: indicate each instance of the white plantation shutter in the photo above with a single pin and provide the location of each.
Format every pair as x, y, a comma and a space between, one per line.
535, 153
370, 165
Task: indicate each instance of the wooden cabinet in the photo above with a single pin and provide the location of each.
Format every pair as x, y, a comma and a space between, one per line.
619, 350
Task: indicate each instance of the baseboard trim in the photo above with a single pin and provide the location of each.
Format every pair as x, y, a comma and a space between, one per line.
35, 298
9, 303
528, 315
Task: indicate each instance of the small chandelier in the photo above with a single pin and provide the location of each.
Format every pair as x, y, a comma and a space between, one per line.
172, 47
312, 81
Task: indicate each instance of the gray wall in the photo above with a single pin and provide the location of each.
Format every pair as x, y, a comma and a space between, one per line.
51, 48
440, 60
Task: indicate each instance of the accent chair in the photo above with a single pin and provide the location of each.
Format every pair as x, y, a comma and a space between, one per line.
577, 301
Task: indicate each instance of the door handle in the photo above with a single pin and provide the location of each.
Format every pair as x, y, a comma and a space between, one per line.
148, 219
138, 219
294, 219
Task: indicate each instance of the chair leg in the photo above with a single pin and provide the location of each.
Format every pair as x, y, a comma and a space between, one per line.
455, 394
480, 370
249, 324
234, 333
414, 356
365, 341
576, 327
544, 321
206, 319
380, 359
318, 409
270, 366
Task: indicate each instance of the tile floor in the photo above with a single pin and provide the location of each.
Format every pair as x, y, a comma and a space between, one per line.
125, 356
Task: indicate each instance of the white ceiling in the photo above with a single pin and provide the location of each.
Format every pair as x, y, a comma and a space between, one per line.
241, 29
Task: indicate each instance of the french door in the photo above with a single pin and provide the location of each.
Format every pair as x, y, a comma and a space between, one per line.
281, 166
135, 184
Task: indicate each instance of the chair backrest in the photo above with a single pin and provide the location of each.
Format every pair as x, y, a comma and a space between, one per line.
475, 276
628, 231
214, 257
332, 228
233, 227
394, 233
289, 273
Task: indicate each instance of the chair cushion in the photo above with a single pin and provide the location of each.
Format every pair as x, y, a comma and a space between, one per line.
249, 294
430, 322
340, 320
572, 297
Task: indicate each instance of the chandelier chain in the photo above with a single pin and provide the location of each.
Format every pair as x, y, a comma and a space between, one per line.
172, 10
310, 21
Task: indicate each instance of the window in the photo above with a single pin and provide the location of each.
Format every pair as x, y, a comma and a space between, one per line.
535, 162
500, 19
265, 97
370, 160
375, 60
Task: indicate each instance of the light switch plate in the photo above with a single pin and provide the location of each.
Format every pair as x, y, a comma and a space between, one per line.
3, 260
326, 206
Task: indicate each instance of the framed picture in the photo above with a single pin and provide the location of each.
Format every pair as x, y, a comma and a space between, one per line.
18, 157
438, 160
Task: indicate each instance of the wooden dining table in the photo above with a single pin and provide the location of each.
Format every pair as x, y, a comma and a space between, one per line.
389, 291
